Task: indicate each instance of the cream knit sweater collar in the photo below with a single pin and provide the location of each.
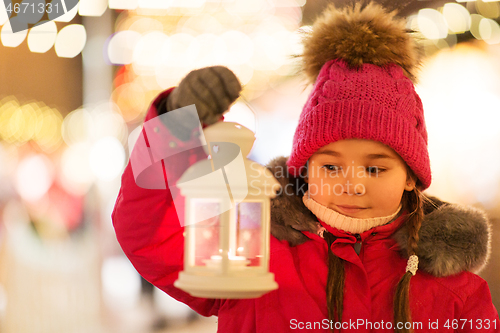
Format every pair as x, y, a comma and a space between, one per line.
343, 222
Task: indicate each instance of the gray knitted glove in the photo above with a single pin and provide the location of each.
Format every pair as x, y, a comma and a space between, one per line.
211, 89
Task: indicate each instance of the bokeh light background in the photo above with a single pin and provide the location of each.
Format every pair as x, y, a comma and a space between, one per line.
61, 269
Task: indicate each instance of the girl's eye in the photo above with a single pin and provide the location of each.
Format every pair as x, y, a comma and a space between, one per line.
375, 170
331, 167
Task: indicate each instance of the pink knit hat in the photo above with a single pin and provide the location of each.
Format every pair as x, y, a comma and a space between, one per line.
358, 93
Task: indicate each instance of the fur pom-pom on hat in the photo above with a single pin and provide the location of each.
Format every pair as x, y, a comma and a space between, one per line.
359, 35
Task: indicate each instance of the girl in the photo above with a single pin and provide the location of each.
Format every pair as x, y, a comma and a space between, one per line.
356, 246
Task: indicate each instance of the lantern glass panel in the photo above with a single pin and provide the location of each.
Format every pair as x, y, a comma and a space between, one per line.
206, 232
248, 232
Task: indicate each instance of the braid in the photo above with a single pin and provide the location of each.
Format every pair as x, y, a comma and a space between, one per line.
412, 202
416, 216
334, 283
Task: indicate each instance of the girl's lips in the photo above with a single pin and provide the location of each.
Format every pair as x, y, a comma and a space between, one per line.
351, 209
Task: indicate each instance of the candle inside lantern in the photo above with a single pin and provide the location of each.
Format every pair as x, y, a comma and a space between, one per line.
235, 262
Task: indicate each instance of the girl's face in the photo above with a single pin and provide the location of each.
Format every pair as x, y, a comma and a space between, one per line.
358, 178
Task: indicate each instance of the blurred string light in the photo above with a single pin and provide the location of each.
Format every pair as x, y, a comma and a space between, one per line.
42, 37
439, 28
485, 29
101, 121
76, 175
147, 53
457, 18
165, 4
95, 142
30, 122
131, 98
121, 47
70, 41
95, 139
255, 39
107, 158
488, 9
12, 39
9, 156
92, 7
123, 4
34, 176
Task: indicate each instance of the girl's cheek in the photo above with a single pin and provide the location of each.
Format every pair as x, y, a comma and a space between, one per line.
390, 196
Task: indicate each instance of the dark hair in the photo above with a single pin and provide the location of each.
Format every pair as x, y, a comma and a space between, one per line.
412, 203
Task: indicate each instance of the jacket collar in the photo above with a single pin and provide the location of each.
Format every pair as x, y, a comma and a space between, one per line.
383, 231
453, 238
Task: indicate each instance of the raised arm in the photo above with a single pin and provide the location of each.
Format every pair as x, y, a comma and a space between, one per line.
147, 223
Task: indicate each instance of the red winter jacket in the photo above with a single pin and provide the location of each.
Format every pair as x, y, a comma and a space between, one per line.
148, 229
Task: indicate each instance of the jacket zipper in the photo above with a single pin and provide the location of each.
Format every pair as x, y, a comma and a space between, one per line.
358, 244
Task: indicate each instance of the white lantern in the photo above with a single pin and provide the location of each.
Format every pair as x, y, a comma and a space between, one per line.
227, 219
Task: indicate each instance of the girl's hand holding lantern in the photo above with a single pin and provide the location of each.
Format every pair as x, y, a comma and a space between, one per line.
211, 89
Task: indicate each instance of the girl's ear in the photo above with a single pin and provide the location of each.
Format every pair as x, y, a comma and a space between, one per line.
410, 184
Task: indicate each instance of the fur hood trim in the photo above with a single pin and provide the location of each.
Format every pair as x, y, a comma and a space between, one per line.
359, 35
453, 238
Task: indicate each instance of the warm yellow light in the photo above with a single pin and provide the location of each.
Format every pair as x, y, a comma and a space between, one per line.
147, 52
431, 24
107, 158
457, 17
123, 4
247, 8
214, 50
25, 120
121, 47
76, 176
92, 7
107, 122
155, 4
70, 41
7, 109
488, 9
240, 47
130, 99
489, 31
180, 50
33, 178
77, 127
42, 37
188, 3
48, 134
144, 25
12, 39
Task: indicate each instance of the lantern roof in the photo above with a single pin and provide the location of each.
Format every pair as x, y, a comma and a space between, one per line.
227, 167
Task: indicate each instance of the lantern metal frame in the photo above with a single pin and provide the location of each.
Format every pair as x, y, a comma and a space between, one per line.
232, 278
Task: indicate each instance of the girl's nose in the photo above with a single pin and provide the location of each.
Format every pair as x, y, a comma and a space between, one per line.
354, 182
353, 186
